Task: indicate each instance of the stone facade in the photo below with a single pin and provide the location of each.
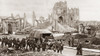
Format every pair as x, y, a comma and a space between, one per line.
13, 24
63, 15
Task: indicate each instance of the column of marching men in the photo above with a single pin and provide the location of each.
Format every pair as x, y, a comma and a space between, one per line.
31, 44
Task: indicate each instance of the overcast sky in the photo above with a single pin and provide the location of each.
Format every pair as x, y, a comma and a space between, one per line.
89, 9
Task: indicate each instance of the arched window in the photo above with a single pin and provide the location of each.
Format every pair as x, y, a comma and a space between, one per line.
9, 28
60, 19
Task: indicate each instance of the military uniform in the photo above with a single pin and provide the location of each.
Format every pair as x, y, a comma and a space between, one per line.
61, 48
14, 42
6, 41
17, 44
3, 42
38, 48
9, 43
54, 46
44, 46
23, 43
58, 46
33, 44
79, 49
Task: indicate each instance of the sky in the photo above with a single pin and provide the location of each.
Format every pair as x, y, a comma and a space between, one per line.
89, 9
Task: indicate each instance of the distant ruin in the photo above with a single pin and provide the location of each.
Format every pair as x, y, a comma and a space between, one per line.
63, 15
13, 24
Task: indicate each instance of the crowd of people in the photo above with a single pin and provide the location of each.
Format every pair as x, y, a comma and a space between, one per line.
31, 44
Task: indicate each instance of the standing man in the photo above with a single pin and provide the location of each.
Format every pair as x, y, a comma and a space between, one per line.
69, 40
61, 47
14, 42
72, 41
79, 49
58, 46
17, 44
33, 45
23, 43
44, 46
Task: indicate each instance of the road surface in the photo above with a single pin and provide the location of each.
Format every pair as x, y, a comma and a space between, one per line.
72, 52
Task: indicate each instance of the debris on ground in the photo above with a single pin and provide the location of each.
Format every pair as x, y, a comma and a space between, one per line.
31, 53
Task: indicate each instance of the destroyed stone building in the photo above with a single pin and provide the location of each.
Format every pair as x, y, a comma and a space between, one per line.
63, 15
12, 24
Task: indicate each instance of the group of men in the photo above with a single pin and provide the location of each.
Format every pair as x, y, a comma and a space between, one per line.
31, 44
12, 42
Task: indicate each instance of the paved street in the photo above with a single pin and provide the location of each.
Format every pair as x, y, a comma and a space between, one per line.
72, 52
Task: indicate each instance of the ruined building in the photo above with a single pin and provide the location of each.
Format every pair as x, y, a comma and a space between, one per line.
63, 15
12, 24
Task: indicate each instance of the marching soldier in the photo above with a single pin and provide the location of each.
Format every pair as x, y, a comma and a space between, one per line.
79, 49
6, 41
33, 44
44, 46
17, 44
23, 43
9, 42
61, 48
38, 48
54, 46
14, 42
38, 45
58, 46
3, 42
28, 42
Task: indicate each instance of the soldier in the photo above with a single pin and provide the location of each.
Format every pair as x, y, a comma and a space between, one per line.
17, 44
44, 46
46, 39
61, 47
38, 45
38, 48
69, 41
9, 42
36, 40
23, 43
55, 46
28, 42
14, 42
58, 46
3, 42
6, 41
33, 44
72, 42
79, 49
